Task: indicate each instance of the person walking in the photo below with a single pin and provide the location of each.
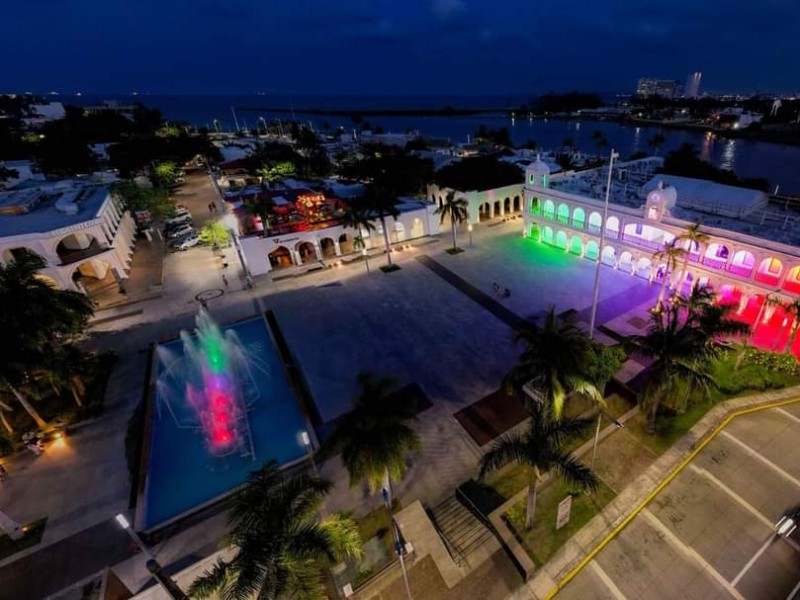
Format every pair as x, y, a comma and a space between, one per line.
3, 473
225, 280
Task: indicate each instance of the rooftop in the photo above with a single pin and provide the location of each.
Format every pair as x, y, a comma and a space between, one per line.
34, 210
628, 188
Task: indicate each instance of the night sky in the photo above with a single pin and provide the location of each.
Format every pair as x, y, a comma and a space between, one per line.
409, 47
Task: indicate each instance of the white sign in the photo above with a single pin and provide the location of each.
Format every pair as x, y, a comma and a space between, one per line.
564, 509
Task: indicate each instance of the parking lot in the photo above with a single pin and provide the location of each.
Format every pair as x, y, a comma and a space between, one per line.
710, 532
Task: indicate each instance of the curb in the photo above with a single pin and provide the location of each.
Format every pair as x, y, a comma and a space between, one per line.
649, 484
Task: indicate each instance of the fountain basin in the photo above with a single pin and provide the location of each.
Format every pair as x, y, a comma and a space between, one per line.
182, 476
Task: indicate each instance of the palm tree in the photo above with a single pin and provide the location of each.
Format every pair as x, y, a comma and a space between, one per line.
670, 254
357, 217
553, 361
375, 437
542, 448
792, 308
278, 538
712, 319
599, 140
263, 209
695, 239
457, 210
381, 202
681, 355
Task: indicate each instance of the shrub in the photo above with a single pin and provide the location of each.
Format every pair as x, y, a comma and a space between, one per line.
777, 362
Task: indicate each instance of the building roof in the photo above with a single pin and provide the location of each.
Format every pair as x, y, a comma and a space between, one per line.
38, 212
694, 193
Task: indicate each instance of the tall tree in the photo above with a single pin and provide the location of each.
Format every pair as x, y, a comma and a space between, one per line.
357, 217
656, 142
376, 436
681, 354
670, 255
554, 361
793, 309
278, 540
36, 321
694, 238
541, 447
457, 210
382, 203
263, 209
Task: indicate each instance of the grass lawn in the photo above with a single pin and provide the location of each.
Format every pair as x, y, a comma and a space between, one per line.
543, 539
748, 379
33, 535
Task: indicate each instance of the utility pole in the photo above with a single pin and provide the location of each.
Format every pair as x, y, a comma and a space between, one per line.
596, 291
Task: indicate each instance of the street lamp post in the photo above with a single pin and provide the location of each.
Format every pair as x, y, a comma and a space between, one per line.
596, 291
398, 544
469, 230
172, 589
365, 254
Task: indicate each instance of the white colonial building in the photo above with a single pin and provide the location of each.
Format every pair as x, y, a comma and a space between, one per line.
80, 230
268, 253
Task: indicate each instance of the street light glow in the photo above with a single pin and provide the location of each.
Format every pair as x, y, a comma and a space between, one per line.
123, 522
306, 438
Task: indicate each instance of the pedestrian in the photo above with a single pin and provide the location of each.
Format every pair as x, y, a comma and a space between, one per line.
506, 293
3, 473
225, 280
496, 288
211, 207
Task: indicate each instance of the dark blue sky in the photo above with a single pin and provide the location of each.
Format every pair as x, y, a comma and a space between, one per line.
402, 47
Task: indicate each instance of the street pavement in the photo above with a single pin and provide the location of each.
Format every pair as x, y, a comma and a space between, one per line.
710, 532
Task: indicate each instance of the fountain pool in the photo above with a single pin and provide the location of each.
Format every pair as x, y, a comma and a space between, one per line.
229, 410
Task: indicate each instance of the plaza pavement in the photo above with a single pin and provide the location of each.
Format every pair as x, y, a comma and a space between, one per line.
411, 323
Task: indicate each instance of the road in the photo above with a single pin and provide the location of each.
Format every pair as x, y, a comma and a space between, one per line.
709, 532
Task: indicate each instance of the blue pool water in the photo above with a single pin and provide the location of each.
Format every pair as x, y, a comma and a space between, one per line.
182, 474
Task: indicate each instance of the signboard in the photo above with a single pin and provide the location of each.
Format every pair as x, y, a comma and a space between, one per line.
564, 509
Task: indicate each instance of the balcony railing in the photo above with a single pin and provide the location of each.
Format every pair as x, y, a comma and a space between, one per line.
741, 270
69, 257
714, 263
578, 224
594, 229
612, 233
563, 220
640, 241
549, 215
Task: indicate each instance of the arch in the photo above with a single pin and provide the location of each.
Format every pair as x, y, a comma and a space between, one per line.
535, 206
563, 214
327, 247
609, 256
792, 283
417, 228
626, 261
716, 256
12, 254
484, 211
646, 236
346, 243
280, 258
95, 276
769, 271
399, 231
576, 245
307, 252
549, 210
507, 205
534, 231
742, 263
578, 218
498, 208
612, 227
644, 267
592, 250
547, 236
77, 246
517, 206
595, 221
561, 240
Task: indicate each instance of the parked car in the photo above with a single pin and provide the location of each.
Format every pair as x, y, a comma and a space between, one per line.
181, 211
186, 242
788, 523
180, 232
181, 219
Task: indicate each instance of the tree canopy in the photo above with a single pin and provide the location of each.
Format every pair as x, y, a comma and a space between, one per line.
477, 173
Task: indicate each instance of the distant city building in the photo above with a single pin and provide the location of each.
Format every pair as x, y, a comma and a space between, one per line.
43, 113
692, 89
736, 118
667, 88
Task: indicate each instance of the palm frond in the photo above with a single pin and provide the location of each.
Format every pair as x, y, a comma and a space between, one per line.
510, 447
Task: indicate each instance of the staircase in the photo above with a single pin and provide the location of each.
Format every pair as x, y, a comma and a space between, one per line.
460, 530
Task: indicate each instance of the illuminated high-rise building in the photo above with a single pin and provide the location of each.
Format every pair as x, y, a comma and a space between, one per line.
692, 89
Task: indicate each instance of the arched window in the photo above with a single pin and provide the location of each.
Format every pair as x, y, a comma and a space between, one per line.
578, 218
